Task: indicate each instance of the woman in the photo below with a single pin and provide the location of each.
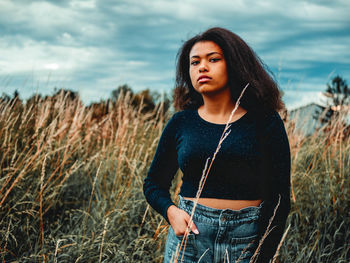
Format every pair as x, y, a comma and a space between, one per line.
249, 181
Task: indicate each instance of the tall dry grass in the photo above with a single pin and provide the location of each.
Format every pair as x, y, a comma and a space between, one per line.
320, 195
71, 186
70, 182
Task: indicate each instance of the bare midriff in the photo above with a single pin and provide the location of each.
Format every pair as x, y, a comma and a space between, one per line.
226, 203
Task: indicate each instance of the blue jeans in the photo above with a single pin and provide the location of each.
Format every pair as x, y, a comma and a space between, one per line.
225, 235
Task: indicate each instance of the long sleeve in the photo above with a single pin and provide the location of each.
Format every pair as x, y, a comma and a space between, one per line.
276, 171
162, 170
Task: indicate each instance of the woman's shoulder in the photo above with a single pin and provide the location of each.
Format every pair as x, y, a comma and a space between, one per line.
267, 115
187, 114
180, 118
273, 116
269, 119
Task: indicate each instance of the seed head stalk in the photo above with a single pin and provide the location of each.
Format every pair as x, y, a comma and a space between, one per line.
205, 173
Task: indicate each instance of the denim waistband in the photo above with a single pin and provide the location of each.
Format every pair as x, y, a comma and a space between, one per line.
205, 213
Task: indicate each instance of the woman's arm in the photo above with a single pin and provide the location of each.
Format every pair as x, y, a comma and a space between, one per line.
276, 166
158, 181
162, 170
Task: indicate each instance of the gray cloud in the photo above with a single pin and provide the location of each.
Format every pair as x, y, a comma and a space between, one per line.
94, 46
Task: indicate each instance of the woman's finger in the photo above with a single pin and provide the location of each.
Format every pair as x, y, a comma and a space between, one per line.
194, 228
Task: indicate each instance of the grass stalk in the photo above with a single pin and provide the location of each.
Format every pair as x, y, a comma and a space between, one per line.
206, 171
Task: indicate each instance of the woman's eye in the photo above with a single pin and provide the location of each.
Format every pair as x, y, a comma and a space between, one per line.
194, 62
214, 59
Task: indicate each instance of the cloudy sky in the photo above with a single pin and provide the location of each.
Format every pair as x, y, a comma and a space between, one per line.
94, 46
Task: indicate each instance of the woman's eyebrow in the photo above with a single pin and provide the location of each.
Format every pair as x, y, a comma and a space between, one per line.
209, 54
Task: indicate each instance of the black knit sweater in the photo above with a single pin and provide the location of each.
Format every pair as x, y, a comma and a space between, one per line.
252, 163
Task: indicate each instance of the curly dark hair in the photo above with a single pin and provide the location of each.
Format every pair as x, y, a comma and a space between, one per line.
243, 66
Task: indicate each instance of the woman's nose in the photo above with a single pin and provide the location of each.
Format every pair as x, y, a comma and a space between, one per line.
203, 67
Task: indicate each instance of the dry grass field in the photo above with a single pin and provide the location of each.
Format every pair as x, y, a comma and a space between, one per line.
71, 185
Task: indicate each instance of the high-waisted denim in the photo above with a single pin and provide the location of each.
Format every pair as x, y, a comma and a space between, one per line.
225, 235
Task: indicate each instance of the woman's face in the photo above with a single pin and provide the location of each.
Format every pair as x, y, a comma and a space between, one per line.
208, 68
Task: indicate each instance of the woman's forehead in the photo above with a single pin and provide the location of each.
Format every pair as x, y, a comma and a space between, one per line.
204, 48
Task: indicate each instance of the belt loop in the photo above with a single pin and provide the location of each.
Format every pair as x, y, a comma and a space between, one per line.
261, 204
182, 203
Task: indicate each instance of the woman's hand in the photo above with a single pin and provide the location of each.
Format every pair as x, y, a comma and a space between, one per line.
179, 220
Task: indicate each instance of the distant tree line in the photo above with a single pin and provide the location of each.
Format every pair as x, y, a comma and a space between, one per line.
337, 94
146, 99
149, 99
337, 97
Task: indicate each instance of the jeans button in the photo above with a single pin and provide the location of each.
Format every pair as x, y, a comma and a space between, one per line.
223, 219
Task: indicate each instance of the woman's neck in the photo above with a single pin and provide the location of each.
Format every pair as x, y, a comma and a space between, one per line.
217, 108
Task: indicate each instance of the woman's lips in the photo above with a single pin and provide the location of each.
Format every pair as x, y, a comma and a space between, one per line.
203, 79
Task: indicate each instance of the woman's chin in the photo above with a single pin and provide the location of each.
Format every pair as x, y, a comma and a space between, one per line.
207, 90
